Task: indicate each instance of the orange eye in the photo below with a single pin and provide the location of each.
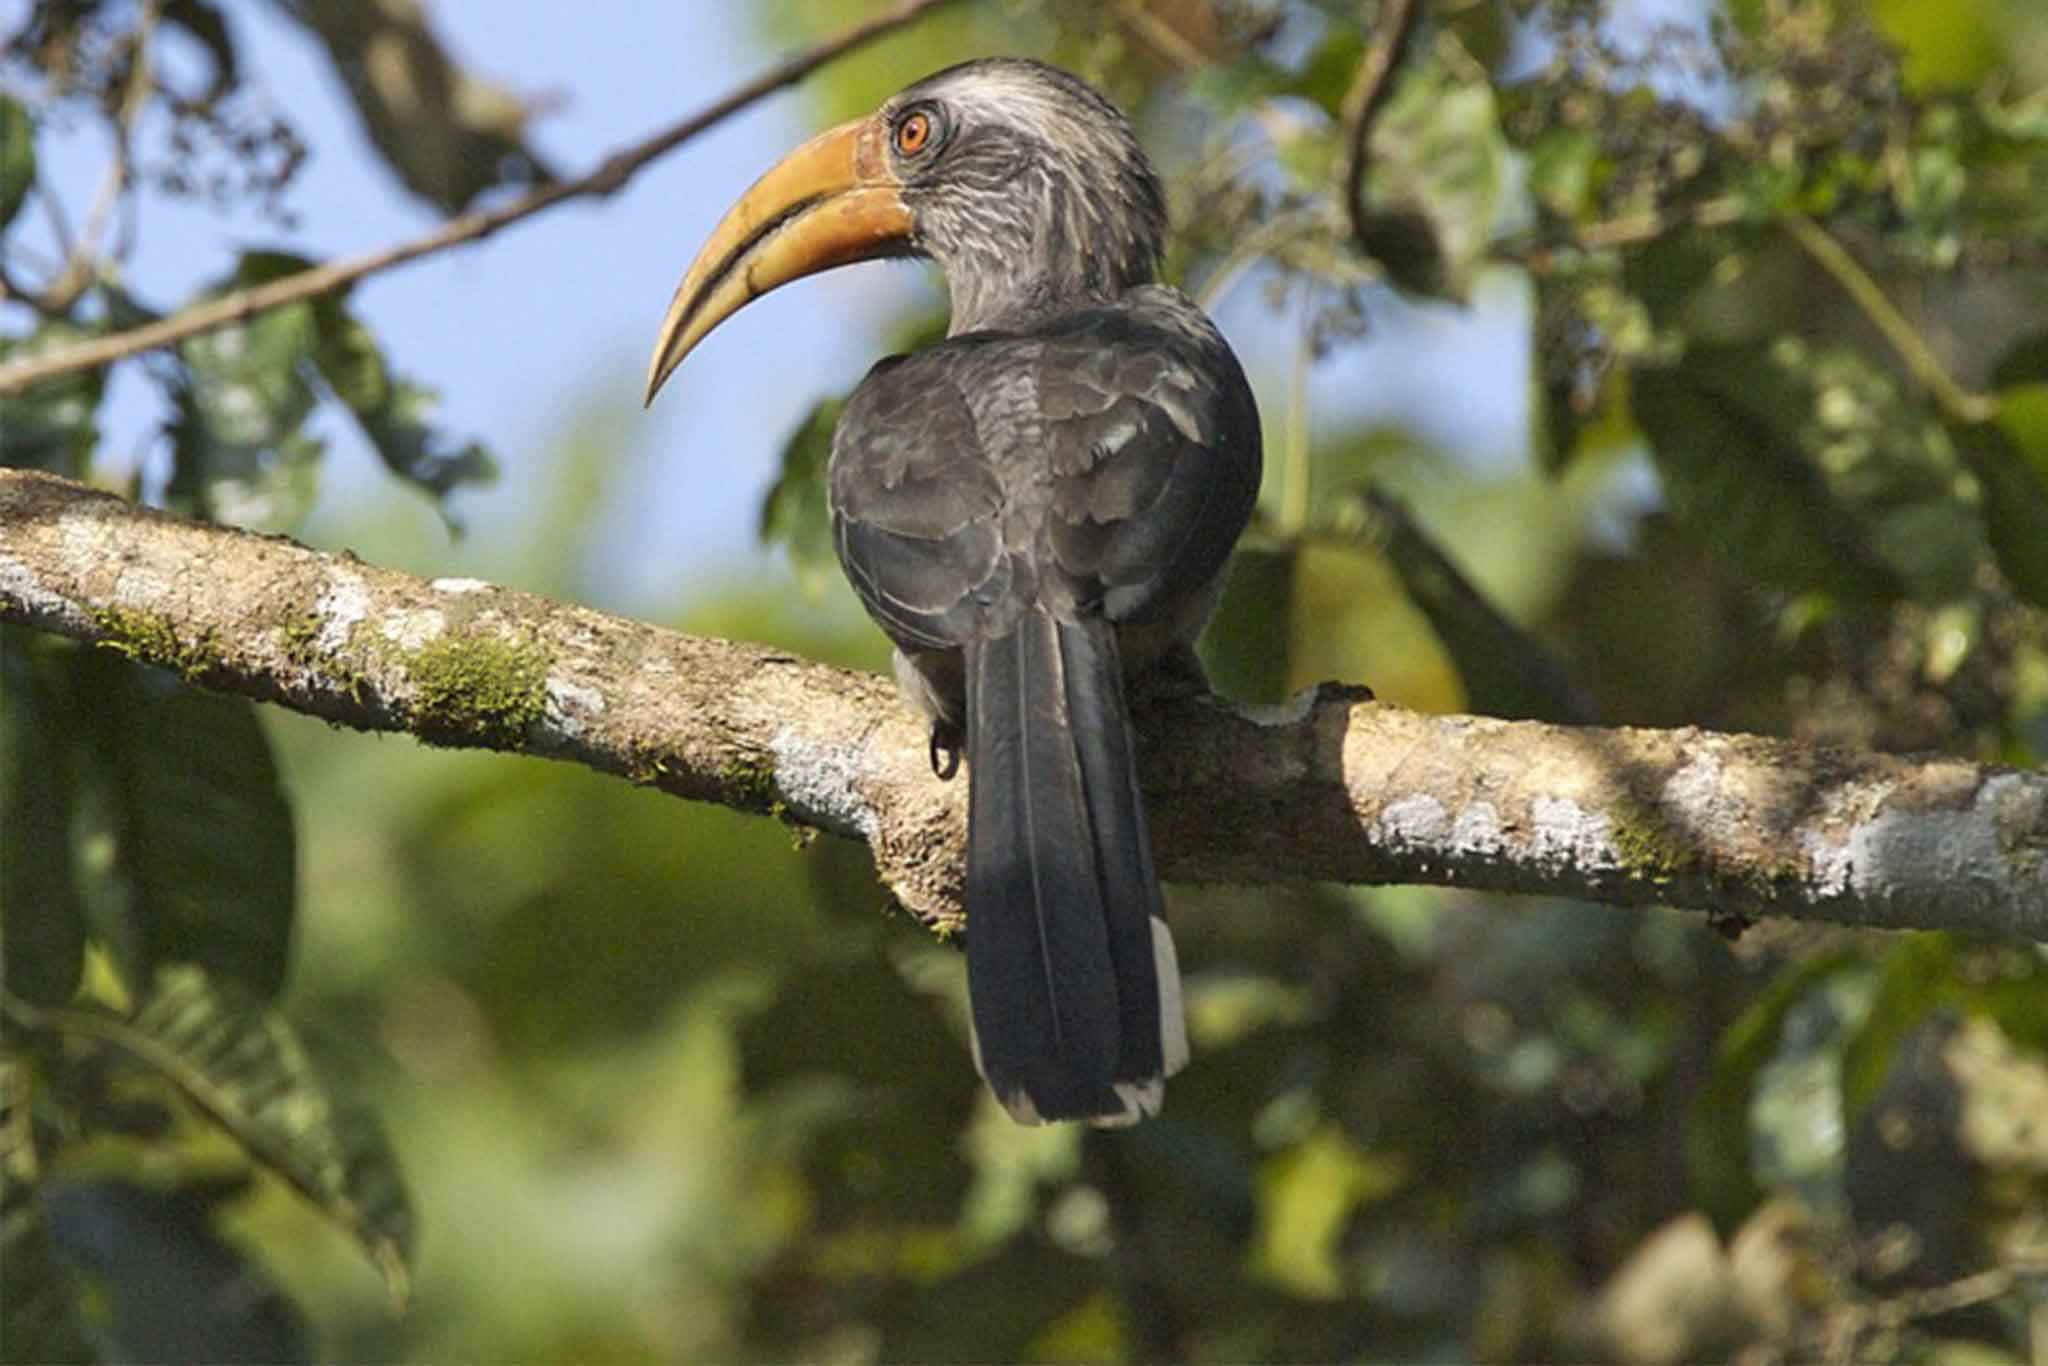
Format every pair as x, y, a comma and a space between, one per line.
914, 134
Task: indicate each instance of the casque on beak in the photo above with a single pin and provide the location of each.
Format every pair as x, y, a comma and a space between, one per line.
831, 202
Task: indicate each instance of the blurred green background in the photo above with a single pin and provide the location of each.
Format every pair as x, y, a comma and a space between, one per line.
1595, 424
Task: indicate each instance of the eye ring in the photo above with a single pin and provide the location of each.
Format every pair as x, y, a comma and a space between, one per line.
916, 133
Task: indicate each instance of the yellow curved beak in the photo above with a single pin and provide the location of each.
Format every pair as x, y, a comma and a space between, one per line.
831, 202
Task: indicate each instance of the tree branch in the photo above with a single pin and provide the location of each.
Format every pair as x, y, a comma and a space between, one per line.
1913, 350
610, 175
1333, 787
1363, 102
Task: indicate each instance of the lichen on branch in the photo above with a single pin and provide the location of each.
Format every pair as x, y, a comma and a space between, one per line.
1335, 787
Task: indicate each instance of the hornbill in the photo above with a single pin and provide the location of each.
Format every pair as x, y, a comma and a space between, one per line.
1037, 511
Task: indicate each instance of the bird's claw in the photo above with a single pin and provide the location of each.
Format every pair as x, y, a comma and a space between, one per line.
1177, 677
945, 768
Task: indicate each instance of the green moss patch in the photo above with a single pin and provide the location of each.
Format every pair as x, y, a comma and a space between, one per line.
477, 691
150, 639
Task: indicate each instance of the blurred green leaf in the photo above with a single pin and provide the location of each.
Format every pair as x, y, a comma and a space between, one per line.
159, 1284
2009, 456
42, 1316
878, 1084
1724, 426
447, 134
50, 427
201, 831
794, 515
1912, 980
1307, 1194
1506, 671
244, 1066
1330, 69
2023, 363
1748, 15
1677, 280
349, 359
1484, 31
564, 865
40, 917
1944, 46
1925, 972
1717, 1141
856, 83
1561, 171
392, 411
1436, 180
238, 454
1247, 646
979, 1315
2023, 418
412, 447
41, 1324
17, 157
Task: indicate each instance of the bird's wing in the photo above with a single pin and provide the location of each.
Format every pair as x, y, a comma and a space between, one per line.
1154, 444
916, 504
1103, 464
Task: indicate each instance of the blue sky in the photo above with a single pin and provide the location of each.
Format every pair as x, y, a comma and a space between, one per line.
549, 322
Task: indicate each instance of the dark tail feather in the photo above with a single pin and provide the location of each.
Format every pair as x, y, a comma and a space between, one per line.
1071, 974
1152, 1027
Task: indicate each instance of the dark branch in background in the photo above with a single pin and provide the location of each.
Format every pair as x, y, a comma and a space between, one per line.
609, 176
1364, 100
1507, 671
1330, 788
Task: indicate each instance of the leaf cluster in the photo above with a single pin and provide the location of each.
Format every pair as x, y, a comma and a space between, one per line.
148, 908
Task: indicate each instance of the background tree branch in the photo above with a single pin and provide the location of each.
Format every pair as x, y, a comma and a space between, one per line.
1333, 787
1362, 104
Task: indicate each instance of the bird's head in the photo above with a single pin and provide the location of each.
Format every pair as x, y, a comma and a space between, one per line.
1026, 186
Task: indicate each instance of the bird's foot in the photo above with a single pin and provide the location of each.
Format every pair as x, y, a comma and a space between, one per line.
1177, 677
945, 752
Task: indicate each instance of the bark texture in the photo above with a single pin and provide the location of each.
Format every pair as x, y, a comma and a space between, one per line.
1332, 787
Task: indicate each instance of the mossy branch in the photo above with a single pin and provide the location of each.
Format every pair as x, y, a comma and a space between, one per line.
1334, 787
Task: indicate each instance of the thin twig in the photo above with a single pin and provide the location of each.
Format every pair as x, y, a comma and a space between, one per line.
607, 178
60, 225
1957, 1294
1637, 228
81, 262
1294, 489
1627, 230
78, 263
1161, 37
1847, 1329
1258, 243
1884, 315
1364, 100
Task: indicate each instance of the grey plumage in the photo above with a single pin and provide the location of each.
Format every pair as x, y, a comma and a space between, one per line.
1033, 510
1037, 511
1041, 198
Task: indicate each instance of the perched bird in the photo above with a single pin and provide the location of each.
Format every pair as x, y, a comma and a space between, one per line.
1037, 511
